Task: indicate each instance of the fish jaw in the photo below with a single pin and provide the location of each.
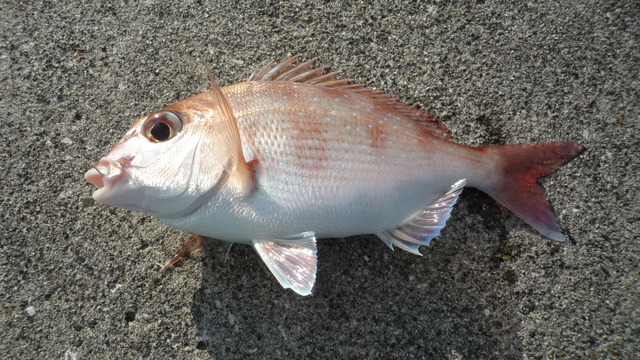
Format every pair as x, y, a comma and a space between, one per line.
113, 185
107, 176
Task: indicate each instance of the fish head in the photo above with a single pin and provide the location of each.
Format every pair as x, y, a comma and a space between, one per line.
163, 165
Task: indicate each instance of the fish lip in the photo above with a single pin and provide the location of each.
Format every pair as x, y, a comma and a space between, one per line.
105, 175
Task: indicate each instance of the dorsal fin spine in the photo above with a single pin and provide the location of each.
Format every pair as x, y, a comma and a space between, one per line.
295, 70
308, 74
283, 66
334, 83
259, 74
322, 78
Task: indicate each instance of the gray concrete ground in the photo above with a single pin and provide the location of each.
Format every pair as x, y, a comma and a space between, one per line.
74, 275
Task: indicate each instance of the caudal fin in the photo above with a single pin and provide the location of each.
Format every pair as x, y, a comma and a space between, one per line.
516, 183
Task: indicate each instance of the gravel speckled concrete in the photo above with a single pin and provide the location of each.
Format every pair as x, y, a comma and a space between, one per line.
74, 275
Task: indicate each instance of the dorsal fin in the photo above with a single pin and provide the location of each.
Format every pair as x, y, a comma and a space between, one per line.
308, 73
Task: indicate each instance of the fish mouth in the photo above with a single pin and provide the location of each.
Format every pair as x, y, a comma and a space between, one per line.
104, 175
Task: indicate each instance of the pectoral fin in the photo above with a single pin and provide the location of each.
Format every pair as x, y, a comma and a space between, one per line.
228, 138
292, 260
425, 225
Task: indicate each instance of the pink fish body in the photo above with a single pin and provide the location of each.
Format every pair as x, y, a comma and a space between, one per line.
294, 155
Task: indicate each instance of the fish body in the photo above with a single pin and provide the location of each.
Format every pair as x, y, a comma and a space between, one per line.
295, 155
325, 160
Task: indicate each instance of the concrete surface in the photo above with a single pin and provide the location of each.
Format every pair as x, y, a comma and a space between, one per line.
74, 275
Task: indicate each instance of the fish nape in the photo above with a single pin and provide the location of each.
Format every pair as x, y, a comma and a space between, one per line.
295, 154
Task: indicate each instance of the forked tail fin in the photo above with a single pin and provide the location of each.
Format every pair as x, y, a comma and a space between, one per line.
516, 183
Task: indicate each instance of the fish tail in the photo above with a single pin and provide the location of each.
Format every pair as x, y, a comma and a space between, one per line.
516, 184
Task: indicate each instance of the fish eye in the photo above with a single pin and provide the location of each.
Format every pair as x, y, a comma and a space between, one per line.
162, 126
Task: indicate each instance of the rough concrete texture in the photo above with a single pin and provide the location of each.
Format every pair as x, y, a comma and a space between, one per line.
74, 274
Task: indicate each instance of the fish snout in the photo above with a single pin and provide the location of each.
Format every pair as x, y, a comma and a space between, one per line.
104, 175
96, 174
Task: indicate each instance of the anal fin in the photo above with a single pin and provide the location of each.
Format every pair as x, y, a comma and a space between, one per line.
292, 260
425, 225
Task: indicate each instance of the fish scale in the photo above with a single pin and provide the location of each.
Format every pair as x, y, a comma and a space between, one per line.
294, 155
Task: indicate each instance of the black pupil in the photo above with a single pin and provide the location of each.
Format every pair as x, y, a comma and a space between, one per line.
161, 131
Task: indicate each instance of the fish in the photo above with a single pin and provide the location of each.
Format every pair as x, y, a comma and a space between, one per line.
296, 154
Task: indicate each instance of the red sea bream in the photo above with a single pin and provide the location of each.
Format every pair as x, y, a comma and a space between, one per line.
295, 154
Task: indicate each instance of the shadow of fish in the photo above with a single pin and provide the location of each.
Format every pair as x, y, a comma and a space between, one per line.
295, 154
